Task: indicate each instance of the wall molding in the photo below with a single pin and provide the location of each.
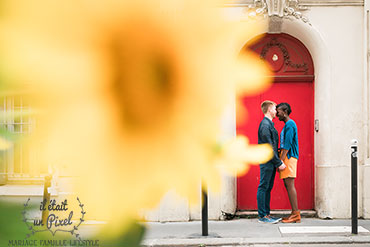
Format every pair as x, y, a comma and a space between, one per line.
306, 3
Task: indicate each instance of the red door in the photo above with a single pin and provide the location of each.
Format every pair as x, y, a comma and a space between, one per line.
293, 83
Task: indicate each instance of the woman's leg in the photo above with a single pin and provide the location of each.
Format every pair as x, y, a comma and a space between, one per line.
292, 193
295, 217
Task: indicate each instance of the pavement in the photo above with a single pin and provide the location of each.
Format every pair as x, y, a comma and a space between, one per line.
249, 232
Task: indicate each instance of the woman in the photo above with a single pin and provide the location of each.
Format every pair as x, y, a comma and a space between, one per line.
289, 155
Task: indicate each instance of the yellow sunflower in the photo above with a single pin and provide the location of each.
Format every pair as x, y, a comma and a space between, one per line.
132, 94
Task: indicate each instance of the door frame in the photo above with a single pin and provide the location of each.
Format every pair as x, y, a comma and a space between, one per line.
281, 76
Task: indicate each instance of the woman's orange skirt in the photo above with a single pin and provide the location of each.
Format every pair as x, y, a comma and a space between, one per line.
291, 168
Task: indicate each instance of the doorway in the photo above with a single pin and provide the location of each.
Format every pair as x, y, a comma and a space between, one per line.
293, 82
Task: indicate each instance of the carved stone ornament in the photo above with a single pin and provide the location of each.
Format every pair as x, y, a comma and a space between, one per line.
275, 24
277, 9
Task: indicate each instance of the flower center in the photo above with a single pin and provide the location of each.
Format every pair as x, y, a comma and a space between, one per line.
143, 83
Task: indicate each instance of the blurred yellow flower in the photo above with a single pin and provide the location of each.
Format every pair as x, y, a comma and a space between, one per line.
132, 93
237, 152
4, 144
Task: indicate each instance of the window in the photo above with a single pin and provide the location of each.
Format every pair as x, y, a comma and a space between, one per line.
16, 162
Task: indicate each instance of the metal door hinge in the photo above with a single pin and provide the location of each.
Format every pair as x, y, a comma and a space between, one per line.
316, 125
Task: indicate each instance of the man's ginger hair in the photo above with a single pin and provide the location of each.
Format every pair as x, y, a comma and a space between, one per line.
266, 105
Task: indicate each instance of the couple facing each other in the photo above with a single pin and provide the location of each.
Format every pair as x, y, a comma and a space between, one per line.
284, 160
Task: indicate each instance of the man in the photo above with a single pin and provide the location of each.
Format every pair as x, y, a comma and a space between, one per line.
268, 134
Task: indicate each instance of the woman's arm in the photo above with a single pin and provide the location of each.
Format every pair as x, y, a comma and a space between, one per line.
283, 153
288, 140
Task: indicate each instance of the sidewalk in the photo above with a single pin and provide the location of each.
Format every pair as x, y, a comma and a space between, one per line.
249, 232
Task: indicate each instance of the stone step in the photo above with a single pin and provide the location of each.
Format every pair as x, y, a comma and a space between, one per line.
254, 214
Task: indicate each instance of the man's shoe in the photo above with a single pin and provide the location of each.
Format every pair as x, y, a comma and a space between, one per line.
274, 218
267, 220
